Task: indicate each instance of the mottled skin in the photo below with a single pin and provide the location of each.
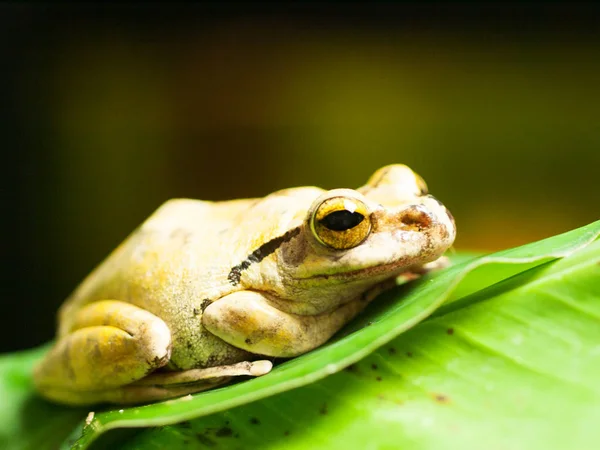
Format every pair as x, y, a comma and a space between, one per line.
201, 289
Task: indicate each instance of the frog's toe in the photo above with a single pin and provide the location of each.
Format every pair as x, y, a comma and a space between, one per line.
261, 367
167, 385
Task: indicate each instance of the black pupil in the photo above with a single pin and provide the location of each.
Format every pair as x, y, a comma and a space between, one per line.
341, 220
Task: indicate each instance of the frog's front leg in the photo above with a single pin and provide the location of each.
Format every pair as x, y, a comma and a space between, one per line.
438, 264
247, 320
110, 344
418, 271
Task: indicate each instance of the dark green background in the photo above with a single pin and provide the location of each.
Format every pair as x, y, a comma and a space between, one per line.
109, 111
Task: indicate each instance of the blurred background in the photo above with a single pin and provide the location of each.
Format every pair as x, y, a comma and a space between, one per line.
109, 111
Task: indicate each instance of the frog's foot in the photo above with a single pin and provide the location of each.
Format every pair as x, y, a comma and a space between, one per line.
417, 272
167, 385
162, 386
405, 277
249, 368
440, 263
109, 344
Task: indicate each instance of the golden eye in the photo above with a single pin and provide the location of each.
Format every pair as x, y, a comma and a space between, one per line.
341, 222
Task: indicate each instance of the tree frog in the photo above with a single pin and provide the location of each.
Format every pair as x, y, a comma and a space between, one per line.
205, 291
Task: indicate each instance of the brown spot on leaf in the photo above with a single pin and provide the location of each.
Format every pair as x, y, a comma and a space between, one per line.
374, 366
286, 433
441, 398
378, 378
392, 351
224, 432
254, 421
323, 410
205, 440
450, 331
409, 354
248, 341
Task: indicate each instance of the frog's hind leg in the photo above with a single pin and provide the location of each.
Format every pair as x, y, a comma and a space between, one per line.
162, 386
108, 354
166, 385
109, 344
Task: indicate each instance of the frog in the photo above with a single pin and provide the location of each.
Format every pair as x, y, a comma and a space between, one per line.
203, 292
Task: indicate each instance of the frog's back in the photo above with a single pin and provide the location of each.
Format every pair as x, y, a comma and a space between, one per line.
177, 257
179, 260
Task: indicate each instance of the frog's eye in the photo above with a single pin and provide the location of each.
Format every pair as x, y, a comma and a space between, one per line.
341, 222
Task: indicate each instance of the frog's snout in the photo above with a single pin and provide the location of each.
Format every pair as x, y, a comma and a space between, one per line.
430, 216
409, 218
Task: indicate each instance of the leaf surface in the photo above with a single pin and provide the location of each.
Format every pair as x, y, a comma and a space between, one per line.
516, 367
387, 318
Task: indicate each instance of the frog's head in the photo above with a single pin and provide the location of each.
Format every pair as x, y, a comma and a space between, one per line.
351, 239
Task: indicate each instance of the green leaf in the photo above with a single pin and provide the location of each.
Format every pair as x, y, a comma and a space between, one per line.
27, 421
516, 367
392, 314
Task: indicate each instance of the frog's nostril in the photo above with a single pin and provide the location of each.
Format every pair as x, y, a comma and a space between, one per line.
415, 218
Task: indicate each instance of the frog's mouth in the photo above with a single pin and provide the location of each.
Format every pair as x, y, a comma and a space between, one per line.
371, 272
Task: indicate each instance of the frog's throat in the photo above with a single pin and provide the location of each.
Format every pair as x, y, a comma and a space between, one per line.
235, 274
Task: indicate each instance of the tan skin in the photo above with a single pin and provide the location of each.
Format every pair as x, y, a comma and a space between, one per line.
202, 290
